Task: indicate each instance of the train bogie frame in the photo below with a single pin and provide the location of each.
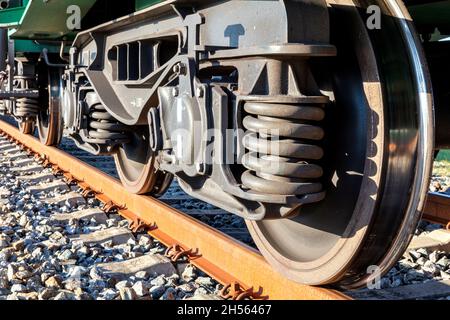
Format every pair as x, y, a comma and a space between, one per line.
298, 116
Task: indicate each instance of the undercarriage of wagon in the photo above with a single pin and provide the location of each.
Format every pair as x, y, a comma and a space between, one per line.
294, 115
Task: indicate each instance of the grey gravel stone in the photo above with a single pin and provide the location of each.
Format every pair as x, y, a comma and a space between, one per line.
27, 296
141, 275
19, 245
65, 295
18, 288
445, 275
187, 287
23, 275
444, 262
53, 282
158, 281
140, 288
122, 284
204, 297
109, 294
157, 291
189, 273
430, 268
170, 294
434, 256
10, 272
4, 243
201, 292
127, 294
204, 281
414, 254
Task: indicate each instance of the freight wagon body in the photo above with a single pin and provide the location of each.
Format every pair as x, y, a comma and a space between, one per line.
311, 119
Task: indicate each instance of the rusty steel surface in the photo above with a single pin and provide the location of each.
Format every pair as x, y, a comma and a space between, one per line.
225, 259
437, 209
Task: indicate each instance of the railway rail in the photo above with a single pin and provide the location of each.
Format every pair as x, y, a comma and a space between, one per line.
213, 251
217, 254
437, 209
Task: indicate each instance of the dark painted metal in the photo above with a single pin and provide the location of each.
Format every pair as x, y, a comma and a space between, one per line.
3, 48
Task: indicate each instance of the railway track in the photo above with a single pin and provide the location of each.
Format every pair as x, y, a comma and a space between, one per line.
175, 197
438, 209
218, 253
212, 251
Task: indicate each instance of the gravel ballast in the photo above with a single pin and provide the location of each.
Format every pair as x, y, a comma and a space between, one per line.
48, 256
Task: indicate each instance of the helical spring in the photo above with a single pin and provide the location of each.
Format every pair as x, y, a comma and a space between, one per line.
27, 108
104, 127
3, 108
281, 140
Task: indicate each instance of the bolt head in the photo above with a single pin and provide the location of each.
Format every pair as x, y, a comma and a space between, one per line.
179, 68
199, 167
199, 92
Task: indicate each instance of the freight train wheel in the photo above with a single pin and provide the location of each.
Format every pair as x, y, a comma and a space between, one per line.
379, 150
49, 119
26, 127
135, 165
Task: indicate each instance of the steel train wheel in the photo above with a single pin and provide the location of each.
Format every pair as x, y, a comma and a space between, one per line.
49, 119
135, 165
26, 127
379, 147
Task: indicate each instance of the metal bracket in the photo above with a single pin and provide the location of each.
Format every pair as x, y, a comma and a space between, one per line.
88, 193
234, 291
110, 206
70, 179
45, 162
137, 225
57, 170
176, 252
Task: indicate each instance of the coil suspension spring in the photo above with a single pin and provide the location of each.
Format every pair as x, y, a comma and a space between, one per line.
103, 127
281, 141
26, 108
3, 107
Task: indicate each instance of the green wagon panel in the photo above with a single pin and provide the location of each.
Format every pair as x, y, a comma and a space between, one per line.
142, 4
48, 20
11, 17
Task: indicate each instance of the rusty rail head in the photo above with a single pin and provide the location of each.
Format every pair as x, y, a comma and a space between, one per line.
235, 265
437, 209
